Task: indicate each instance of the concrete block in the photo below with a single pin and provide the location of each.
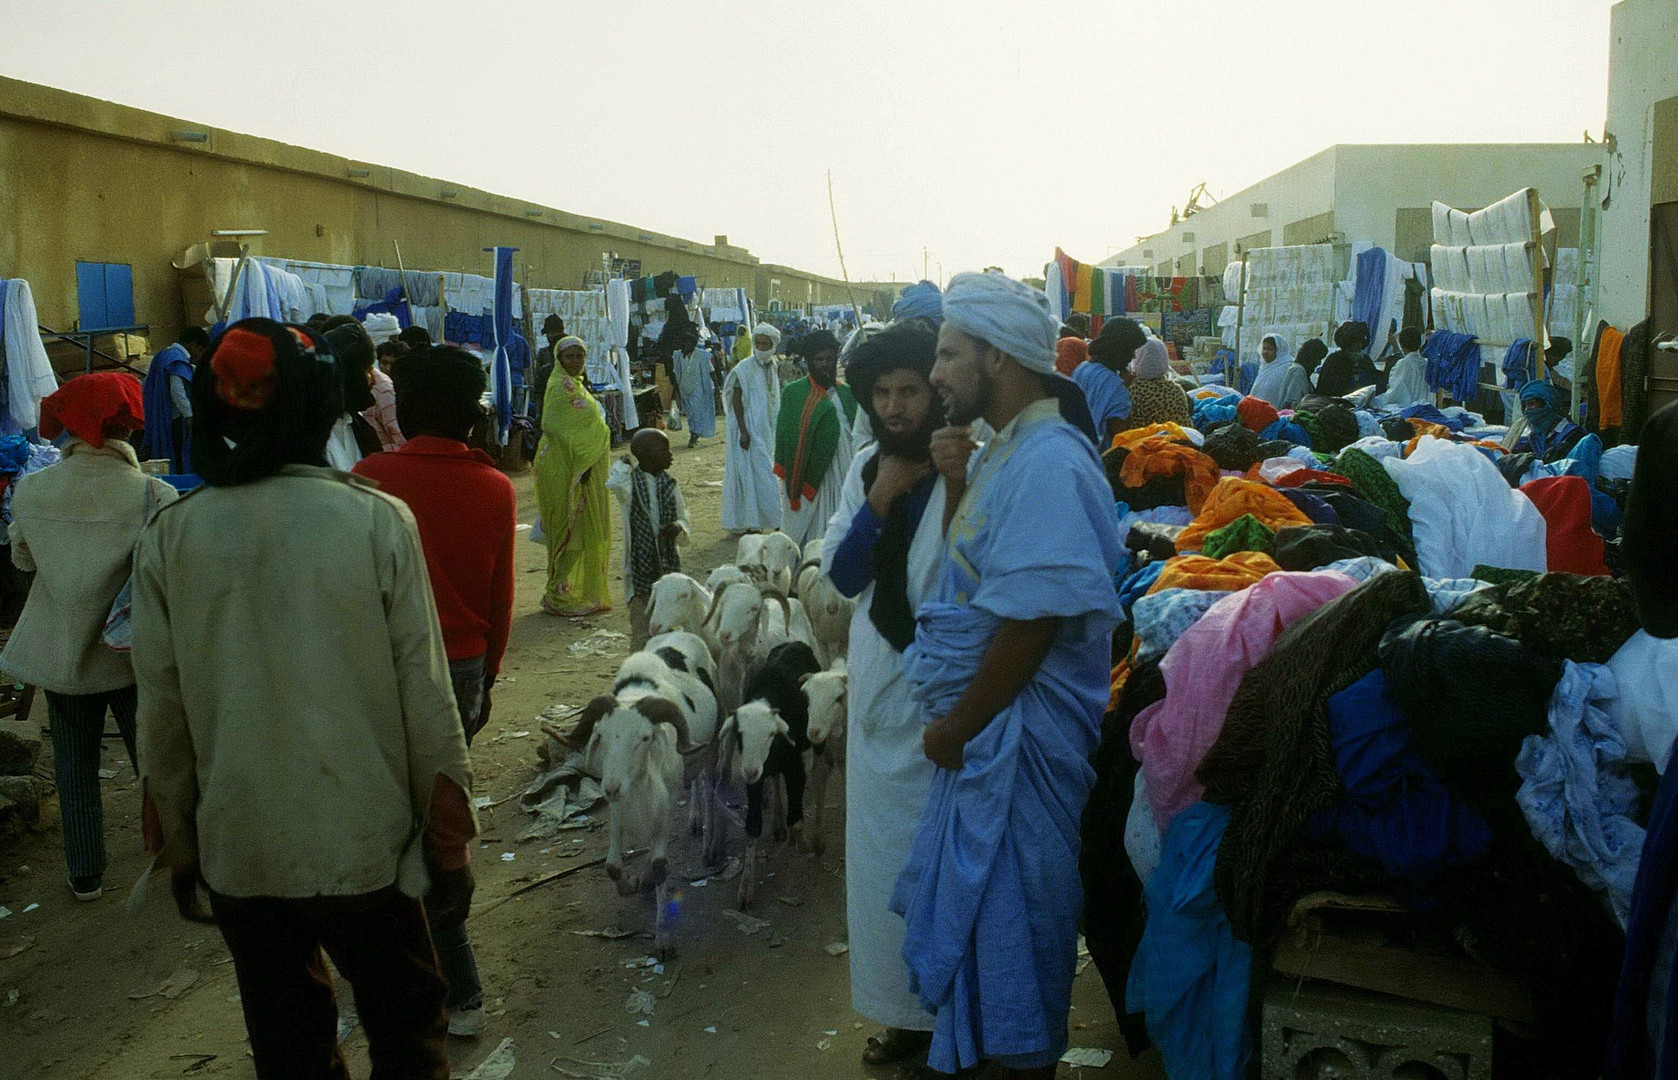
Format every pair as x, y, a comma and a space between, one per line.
20, 745
25, 792
1313, 1031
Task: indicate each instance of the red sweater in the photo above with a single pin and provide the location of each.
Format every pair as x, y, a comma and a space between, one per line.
468, 517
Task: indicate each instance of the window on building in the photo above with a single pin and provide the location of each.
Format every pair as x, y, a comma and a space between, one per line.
1312, 230
105, 295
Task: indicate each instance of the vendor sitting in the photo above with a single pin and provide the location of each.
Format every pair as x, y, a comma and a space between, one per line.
1550, 434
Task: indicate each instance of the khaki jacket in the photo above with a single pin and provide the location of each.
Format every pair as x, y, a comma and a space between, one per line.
295, 703
75, 524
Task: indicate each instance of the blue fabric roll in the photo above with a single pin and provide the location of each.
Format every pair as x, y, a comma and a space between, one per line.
1453, 364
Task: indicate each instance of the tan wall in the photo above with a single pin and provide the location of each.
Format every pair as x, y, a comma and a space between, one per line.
82, 179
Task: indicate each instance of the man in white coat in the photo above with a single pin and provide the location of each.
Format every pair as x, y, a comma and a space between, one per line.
883, 546
751, 497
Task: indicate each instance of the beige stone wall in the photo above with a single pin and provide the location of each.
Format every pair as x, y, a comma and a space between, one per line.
83, 179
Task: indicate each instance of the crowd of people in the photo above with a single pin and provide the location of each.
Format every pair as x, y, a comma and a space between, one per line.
299, 652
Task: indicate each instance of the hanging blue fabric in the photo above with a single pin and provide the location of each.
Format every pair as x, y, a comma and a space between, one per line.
1517, 364
1453, 364
392, 304
501, 373
1369, 296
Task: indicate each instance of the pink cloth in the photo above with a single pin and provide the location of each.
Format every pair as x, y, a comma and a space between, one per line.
383, 413
1202, 671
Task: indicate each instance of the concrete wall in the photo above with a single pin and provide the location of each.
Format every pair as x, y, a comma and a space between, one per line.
83, 179
1357, 192
1642, 71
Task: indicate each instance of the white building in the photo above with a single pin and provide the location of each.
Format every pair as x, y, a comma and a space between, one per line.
1383, 194
1638, 240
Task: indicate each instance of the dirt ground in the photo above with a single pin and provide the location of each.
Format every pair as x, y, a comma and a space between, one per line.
92, 991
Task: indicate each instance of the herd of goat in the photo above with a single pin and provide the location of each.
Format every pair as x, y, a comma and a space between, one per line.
742, 677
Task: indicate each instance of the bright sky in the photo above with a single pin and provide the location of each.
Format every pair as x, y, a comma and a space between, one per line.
983, 131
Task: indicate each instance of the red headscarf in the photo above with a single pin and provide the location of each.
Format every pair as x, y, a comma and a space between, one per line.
1069, 353
87, 405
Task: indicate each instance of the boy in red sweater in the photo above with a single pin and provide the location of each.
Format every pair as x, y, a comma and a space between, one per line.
468, 517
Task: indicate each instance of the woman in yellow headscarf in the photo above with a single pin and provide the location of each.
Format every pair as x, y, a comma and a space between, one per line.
571, 465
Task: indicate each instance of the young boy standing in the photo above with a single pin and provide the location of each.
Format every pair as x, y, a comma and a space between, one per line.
468, 517
655, 517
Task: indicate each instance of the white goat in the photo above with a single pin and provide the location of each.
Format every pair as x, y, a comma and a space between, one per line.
829, 610
678, 603
826, 693
727, 574
652, 737
781, 557
748, 556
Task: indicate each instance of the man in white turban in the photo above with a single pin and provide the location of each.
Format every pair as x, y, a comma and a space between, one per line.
1010, 658
751, 497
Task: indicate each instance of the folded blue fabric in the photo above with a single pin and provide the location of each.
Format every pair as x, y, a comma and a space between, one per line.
1287, 431
1161, 618
1517, 364
1137, 585
1397, 810
1428, 412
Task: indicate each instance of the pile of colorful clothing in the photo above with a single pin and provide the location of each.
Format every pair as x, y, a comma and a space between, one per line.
1368, 653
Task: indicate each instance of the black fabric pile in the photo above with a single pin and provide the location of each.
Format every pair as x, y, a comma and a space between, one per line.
1398, 429
1306, 547
1233, 447
1156, 540
1272, 763
1558, 616
1471, 695
1114, 912
1335, 429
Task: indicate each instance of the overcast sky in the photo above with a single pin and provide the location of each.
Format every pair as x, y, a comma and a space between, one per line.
983, 131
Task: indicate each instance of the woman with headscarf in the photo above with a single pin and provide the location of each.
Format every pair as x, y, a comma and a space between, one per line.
353, 438
299, 747
1280, 380
1155, 398
1069, 353
1550, 434
1310, 358
571, 465
1101, 380
75, 525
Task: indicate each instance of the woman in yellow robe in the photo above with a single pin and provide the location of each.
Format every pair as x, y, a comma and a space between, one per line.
571, 465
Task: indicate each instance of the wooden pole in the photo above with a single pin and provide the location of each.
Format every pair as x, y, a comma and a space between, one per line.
833, 210
1240, 315
403, 273
1539, 367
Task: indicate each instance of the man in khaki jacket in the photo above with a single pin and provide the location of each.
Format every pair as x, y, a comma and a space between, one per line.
299, 745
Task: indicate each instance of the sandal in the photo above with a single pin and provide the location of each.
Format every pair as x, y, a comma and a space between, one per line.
894, 1045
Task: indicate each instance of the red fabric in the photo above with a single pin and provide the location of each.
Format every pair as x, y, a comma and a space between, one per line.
1301, 477
468, 518
244, 365
1573, 546
1069, 353
1256, 414
88, 404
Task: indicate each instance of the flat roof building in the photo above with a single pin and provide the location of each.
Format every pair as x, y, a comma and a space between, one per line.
1380, 193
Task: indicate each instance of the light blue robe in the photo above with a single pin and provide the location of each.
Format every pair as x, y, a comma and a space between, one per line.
991, 894
698, 390
1108, 397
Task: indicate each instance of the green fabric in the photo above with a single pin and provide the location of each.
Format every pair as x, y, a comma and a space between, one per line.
1497, 575
1558, 616
803, 451
1370, 481
1245, 533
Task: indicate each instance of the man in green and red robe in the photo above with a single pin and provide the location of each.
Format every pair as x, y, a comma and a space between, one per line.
814, 440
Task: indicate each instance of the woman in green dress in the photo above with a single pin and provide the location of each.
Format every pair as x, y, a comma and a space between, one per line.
571, 464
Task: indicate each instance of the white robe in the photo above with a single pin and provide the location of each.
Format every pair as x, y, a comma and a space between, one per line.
887, 775
751, 496
1407, 385
809, 521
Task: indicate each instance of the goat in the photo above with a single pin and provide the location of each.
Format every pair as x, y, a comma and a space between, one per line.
727, 574
765, 740
744, 628
829, 611
781, 557
652, 736
678, 603
825, 691
748, 557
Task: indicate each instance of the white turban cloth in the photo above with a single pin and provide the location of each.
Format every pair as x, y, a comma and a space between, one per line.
767, 330
1006, 314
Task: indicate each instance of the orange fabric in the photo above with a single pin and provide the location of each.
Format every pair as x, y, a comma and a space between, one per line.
1609, 392
1256, 414
1121, 675
1427, 427
1237, 571
1135, 435
1159, 456
1232, 497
